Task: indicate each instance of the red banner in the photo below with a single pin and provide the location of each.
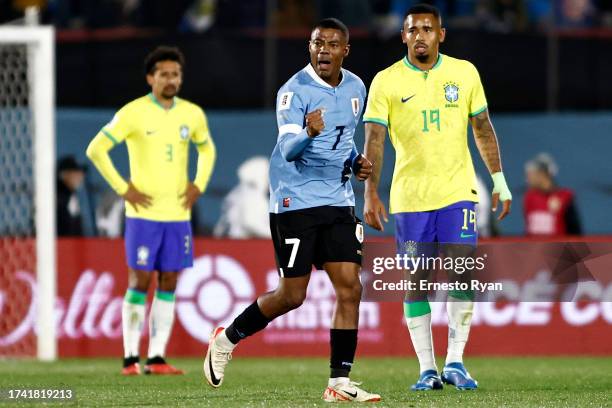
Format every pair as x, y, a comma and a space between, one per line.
228, 275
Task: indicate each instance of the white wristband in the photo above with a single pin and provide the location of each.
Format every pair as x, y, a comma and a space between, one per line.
500, 186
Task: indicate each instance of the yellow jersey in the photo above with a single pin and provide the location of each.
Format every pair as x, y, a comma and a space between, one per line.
158, 147
427, 114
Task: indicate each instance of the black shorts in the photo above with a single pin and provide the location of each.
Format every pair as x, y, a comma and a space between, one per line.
313, 236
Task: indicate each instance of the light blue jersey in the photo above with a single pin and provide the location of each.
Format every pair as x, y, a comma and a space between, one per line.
311, 172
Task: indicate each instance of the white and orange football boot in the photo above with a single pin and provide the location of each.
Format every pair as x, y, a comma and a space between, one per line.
348, 392
216, 359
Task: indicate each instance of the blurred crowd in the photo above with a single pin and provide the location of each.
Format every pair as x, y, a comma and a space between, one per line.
380, 17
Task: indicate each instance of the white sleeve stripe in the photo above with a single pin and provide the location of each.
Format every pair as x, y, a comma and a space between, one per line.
290, 128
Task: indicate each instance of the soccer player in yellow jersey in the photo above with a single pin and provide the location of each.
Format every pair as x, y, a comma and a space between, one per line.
425, 102
157, 129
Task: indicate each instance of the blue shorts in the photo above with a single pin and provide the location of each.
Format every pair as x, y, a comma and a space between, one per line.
158, 245
454, 224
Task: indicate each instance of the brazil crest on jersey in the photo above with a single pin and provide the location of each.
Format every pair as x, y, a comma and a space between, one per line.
318, 172
427, 114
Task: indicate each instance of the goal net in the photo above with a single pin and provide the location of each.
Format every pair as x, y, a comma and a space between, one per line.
27, 193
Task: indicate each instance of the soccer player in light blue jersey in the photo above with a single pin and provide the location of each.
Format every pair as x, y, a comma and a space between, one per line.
312, 214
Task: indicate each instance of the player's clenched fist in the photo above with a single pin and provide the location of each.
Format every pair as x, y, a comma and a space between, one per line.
362, 168
314, 123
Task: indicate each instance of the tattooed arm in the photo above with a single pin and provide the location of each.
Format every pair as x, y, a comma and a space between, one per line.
375, 135
486, 141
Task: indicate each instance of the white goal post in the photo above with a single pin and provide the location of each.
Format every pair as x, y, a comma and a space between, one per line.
39, 42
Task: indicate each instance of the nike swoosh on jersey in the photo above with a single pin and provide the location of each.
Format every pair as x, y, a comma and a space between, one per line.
464, 235
150, 132
404, 100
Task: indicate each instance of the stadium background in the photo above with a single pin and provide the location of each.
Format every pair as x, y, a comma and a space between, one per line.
545, 68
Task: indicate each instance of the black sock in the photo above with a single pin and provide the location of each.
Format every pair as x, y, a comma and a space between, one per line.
156, 360
128, 361
249, 322
343, 345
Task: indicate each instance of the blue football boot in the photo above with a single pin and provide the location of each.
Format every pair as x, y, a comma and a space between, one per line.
456, 374
429, 380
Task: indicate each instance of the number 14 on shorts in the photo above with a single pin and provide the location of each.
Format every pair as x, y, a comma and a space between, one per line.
469, 217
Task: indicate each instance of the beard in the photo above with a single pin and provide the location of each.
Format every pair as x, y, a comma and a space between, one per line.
325, 74
169, 92
422, 57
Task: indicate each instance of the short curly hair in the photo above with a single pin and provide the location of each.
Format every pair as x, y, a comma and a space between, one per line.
163, 53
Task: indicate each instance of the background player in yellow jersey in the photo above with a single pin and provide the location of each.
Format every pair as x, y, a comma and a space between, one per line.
425, 101
157, 129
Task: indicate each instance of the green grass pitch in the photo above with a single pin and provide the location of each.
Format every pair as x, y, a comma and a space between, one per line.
276, 382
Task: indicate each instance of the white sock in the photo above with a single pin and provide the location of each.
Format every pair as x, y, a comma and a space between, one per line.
224, 343
459, 321
420, 333
132, 321
332, 382
160, 323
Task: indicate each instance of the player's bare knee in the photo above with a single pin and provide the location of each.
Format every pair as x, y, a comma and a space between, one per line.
293, 299
167, 281
458, 250
349, 294
415, 296
139, 280
142, 285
